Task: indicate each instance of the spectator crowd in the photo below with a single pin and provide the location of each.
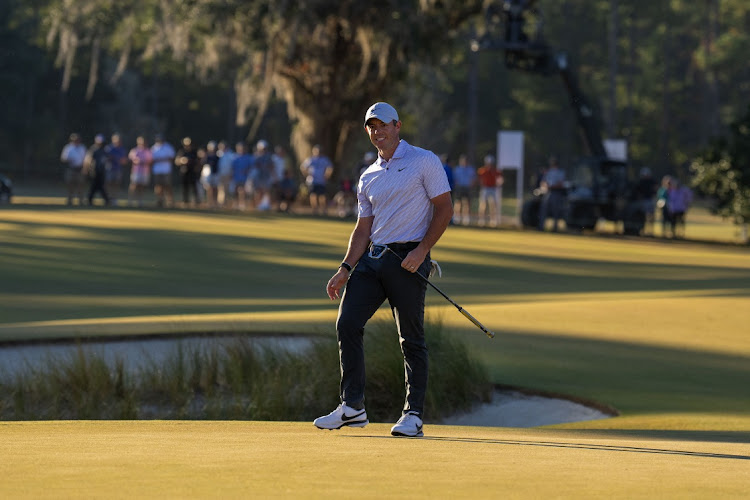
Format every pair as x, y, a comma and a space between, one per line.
259, 177
246, 177
215, 175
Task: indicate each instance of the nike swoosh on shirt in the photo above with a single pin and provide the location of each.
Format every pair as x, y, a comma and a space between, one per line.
400, 169
346, 419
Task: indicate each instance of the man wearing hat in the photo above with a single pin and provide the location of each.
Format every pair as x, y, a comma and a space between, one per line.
404, 206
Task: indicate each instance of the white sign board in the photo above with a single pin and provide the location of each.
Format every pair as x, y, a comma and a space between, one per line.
617, 149
510, 157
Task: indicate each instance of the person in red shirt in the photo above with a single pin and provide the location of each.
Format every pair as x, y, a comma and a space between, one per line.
490, 192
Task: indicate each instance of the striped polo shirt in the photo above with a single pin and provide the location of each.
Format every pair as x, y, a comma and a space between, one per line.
397, 194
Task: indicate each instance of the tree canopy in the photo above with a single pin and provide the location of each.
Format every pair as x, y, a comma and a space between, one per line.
723, 172
667, 76
328, 61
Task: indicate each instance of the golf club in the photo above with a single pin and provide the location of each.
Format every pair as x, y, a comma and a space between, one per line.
460, 309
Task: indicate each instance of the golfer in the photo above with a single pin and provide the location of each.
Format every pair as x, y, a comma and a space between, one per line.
404, 206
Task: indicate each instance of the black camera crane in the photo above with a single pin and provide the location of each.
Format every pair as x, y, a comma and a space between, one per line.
532, 54
606, 189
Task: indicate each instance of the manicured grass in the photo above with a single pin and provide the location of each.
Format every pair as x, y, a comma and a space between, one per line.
656, 329
650, 327
294, 460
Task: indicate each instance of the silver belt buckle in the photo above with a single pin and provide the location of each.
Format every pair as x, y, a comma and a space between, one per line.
377, 251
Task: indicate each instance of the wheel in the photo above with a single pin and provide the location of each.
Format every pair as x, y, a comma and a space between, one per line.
581, 216
530, 213
633, 220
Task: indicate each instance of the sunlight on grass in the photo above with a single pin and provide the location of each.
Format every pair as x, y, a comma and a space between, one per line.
141, 301
290, 322
673, 421
711, 324
461, 244
655, 326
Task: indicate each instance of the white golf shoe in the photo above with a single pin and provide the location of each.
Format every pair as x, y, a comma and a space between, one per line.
409, 425
341, 416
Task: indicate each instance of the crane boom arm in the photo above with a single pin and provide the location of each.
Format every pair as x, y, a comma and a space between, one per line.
534, 55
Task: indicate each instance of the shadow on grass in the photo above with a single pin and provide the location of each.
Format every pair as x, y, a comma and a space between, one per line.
740, 437
577, 446
531, 274
634, 378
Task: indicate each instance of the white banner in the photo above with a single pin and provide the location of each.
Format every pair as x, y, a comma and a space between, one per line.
510, 157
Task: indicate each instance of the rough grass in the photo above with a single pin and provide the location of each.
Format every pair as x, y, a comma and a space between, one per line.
242, 380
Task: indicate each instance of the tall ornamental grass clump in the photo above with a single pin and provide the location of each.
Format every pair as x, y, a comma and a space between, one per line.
241, 380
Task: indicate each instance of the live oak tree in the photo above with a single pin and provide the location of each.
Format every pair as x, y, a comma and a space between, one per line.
680, 69
327, 59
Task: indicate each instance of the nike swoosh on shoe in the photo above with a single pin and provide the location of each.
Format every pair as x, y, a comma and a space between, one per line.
344, 418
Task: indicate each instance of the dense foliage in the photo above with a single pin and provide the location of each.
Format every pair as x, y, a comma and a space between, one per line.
667, 76
723, 172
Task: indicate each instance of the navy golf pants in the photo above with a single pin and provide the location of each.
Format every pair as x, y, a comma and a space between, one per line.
372, 282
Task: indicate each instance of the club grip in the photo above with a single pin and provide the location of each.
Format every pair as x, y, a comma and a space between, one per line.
476, 322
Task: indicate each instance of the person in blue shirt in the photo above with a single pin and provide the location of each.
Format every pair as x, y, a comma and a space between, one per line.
448, 169
317, 169
117, 159
241, 167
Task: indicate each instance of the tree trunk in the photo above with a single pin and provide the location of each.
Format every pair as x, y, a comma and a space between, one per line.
614, 22
322, 120
711, 100
666, 118
630, 76
473, 102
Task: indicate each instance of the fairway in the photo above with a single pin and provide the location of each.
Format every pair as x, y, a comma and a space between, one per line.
656, 329
642, 325
295, 460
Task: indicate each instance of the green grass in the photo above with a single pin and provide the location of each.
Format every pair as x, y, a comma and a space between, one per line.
657, 329
294, 460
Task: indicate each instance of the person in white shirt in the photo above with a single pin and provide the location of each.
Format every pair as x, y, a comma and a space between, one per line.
73, 155
404, 206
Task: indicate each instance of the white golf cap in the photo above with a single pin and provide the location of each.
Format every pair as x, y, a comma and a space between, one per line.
382, 111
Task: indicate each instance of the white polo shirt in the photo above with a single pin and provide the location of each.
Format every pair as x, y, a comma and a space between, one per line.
397, 194
73, 154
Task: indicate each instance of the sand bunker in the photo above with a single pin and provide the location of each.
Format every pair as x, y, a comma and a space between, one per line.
515, 409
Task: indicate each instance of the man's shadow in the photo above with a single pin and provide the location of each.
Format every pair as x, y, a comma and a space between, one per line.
578, 446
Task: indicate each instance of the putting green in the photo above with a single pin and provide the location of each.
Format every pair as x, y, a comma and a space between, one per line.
250, 459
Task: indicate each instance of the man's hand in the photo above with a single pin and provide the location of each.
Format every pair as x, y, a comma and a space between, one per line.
414, 259
336, 283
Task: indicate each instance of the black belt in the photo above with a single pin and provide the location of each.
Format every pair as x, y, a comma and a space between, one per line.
377, 251
408, 246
